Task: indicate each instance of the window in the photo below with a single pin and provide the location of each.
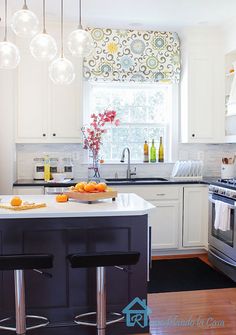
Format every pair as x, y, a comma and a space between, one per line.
145, 112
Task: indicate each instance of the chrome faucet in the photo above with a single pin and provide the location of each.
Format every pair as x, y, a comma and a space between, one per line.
129, 173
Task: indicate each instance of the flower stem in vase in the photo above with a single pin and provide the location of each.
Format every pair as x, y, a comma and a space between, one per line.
93, 167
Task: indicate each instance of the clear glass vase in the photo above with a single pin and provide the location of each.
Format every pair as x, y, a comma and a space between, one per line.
93, 167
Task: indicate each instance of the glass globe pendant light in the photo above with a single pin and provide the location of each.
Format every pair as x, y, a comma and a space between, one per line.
79, 41
61, 70
43, 46
9, 53
25, 23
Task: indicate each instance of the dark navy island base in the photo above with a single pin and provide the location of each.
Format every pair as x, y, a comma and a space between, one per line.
73, 291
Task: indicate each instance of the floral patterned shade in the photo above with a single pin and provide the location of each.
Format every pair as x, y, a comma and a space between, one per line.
129, 55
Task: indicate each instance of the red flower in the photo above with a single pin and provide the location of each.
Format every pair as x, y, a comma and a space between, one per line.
93, 135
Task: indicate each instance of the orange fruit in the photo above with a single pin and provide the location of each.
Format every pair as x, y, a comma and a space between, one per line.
101, 187
89, 188
80, 186
93, 182
80, 190
61, 198
16, 201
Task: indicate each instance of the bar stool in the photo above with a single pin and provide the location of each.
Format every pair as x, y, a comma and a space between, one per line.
19, 263
100, 261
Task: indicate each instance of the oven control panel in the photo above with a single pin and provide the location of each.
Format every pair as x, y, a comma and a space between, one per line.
223, 191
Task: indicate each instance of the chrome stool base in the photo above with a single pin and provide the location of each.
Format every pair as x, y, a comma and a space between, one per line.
85, 323
101, 314
20, 315
43, 319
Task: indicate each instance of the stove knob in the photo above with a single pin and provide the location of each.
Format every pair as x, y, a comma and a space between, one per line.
228, 193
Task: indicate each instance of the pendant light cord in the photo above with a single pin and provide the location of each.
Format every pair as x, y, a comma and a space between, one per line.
44, 18
5, 31
80, 15
25, 5
62, 28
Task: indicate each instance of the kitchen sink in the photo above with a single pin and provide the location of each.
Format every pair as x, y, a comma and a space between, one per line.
133, 180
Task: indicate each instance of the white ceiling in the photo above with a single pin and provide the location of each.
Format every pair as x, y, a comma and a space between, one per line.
142, 14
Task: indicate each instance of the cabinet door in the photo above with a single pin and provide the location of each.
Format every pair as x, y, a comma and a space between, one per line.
165, 220
202, 90
66, 109
201, 125
32, 100
195, 216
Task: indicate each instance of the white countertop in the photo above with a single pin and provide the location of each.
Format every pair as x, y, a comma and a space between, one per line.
126, 204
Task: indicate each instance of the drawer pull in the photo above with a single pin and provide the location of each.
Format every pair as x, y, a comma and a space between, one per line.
160, 194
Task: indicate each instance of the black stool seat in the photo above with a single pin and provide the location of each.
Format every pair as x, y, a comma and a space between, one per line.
102, 259
26, 262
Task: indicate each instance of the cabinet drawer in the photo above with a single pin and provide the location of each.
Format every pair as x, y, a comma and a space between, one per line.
152, 192
162, 193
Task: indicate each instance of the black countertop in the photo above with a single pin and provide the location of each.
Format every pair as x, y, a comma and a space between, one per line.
42, 183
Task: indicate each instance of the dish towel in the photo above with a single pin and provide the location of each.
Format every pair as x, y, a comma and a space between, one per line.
222, 216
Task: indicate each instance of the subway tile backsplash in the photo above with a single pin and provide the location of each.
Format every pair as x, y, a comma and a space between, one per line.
211, 155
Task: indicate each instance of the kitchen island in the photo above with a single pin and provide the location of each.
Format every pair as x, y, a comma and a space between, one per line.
65, 228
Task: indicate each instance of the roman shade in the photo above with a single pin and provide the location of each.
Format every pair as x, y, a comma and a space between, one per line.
130, 55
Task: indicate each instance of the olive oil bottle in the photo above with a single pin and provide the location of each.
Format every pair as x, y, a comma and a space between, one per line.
161, 151
153, 158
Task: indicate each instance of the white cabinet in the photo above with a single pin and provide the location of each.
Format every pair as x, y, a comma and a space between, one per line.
166, 219
31, 120
165, 222
47, 113
195, 218
65, 111
202, 89
25, 190
230, 103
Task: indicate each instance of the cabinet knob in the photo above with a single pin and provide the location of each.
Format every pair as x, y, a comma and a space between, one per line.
53, 134
44, 135
193, 135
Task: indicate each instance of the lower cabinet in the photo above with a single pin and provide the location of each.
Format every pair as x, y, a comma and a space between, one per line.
165, 222
27, 190
166, 219
195, 216
180, 218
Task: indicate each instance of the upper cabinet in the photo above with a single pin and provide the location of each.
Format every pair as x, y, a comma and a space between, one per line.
202, 88
230, 97
45, 112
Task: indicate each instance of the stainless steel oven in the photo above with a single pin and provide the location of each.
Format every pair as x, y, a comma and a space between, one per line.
222, 244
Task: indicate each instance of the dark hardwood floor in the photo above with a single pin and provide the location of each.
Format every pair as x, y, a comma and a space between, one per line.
212, 312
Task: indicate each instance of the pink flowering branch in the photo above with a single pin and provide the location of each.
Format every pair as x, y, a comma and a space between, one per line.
93, 134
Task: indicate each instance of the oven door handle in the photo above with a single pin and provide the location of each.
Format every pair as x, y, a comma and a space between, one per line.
213, 202
221, 259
